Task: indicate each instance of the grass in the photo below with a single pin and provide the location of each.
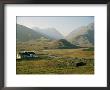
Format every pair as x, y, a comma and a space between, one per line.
55, 65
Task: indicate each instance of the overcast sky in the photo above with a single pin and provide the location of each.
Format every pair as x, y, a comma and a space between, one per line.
64, 24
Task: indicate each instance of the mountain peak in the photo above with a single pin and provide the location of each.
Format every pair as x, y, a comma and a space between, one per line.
82, 36
24, 33
51, 32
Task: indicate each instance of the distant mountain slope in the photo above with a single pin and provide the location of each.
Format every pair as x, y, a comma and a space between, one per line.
50, 32
83, 36
24, 33
61, 44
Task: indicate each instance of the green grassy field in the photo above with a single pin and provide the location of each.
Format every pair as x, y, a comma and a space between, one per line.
58, 61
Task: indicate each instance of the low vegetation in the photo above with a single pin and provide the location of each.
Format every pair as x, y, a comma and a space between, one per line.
58, 61
57, 54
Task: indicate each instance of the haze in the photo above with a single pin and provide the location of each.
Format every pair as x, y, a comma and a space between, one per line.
64, 24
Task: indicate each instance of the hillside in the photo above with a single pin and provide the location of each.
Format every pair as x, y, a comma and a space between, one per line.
82, 36
61, 44
50, 32
24, 33
65, 44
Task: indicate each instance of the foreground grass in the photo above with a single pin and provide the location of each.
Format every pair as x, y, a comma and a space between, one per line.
46, 65
51, 67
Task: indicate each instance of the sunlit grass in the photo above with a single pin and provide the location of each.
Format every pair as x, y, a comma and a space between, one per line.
46, 65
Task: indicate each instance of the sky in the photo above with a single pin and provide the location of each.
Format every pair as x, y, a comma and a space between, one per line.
64, 24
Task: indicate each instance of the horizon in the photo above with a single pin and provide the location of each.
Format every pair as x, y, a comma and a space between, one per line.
63, 24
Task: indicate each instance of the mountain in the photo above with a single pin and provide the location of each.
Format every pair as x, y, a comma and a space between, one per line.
60, 44
24, 33
82, 36
50, 32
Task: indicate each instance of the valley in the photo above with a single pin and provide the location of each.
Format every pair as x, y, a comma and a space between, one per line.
58, 61
54, 60
73, 54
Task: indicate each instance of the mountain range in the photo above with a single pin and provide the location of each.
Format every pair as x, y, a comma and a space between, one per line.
82, 36
24, 34
50, 32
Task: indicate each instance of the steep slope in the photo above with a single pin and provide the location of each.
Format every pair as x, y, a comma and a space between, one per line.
83, 36
24, 33
50, 32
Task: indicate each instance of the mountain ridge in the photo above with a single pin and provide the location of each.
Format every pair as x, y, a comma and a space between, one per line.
82, 36
24, 33
50, 32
